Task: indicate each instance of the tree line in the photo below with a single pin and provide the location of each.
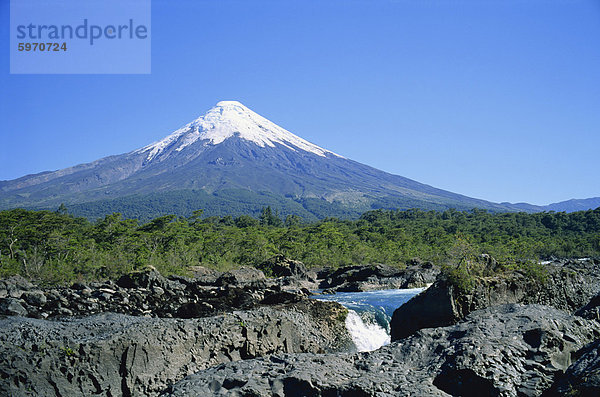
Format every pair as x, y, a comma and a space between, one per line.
55, 247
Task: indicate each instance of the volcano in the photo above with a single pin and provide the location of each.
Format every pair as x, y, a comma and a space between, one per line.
228, 161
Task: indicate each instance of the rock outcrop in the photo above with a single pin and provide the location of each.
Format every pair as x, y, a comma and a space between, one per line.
241, 333
147, 293
117, 355
582, 377
289, 273
376, 277
509, 350
591, 311
137, 335
280, 266
568, 286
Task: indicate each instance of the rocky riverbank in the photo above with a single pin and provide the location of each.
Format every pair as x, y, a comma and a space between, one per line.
118, 355
509, 350
143, 332
376, 277
568, 285
147, 293
208, 293
242, 333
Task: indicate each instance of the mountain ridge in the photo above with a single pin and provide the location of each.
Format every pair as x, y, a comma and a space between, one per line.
571, 205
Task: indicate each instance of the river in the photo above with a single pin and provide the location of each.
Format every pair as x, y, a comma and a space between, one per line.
369, 314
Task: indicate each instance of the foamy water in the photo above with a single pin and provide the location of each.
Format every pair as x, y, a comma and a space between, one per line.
369, 314
366, 337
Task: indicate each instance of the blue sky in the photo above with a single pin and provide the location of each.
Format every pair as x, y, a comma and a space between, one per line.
497, 100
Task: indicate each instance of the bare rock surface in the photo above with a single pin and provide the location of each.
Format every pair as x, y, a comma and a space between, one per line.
569, 286
592, 309
377, 277
147, 293
118, 355
508, 350
582, 377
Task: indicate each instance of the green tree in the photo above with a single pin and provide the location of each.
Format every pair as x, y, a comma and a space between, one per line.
270, 218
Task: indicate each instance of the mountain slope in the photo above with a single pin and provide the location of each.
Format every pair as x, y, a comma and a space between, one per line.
574, 205
230, 149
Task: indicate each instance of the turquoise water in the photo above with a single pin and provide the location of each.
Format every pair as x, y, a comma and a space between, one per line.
381, 303
369, 316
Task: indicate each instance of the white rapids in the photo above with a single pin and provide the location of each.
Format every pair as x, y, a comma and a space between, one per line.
366, 336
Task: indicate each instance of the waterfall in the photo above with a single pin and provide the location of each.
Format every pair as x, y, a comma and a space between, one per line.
367, 336
369, 314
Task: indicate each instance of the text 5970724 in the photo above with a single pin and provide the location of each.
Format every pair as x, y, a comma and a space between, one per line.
40, 47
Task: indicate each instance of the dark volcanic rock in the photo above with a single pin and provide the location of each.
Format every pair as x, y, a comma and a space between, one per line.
13, 287
205, 276
280, 266
281, 297
568, 287
289, 274
118, 355
582, 377
434, 307
12, 307
147, 293
149, 279
375, 277
34, 298
244, 276
509, 350
591, 310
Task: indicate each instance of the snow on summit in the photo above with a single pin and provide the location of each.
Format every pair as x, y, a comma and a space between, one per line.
228, 119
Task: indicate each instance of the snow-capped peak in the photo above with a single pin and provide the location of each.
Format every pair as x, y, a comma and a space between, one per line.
230, 103
228, 119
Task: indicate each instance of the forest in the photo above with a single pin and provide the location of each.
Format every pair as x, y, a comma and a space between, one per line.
54, 247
